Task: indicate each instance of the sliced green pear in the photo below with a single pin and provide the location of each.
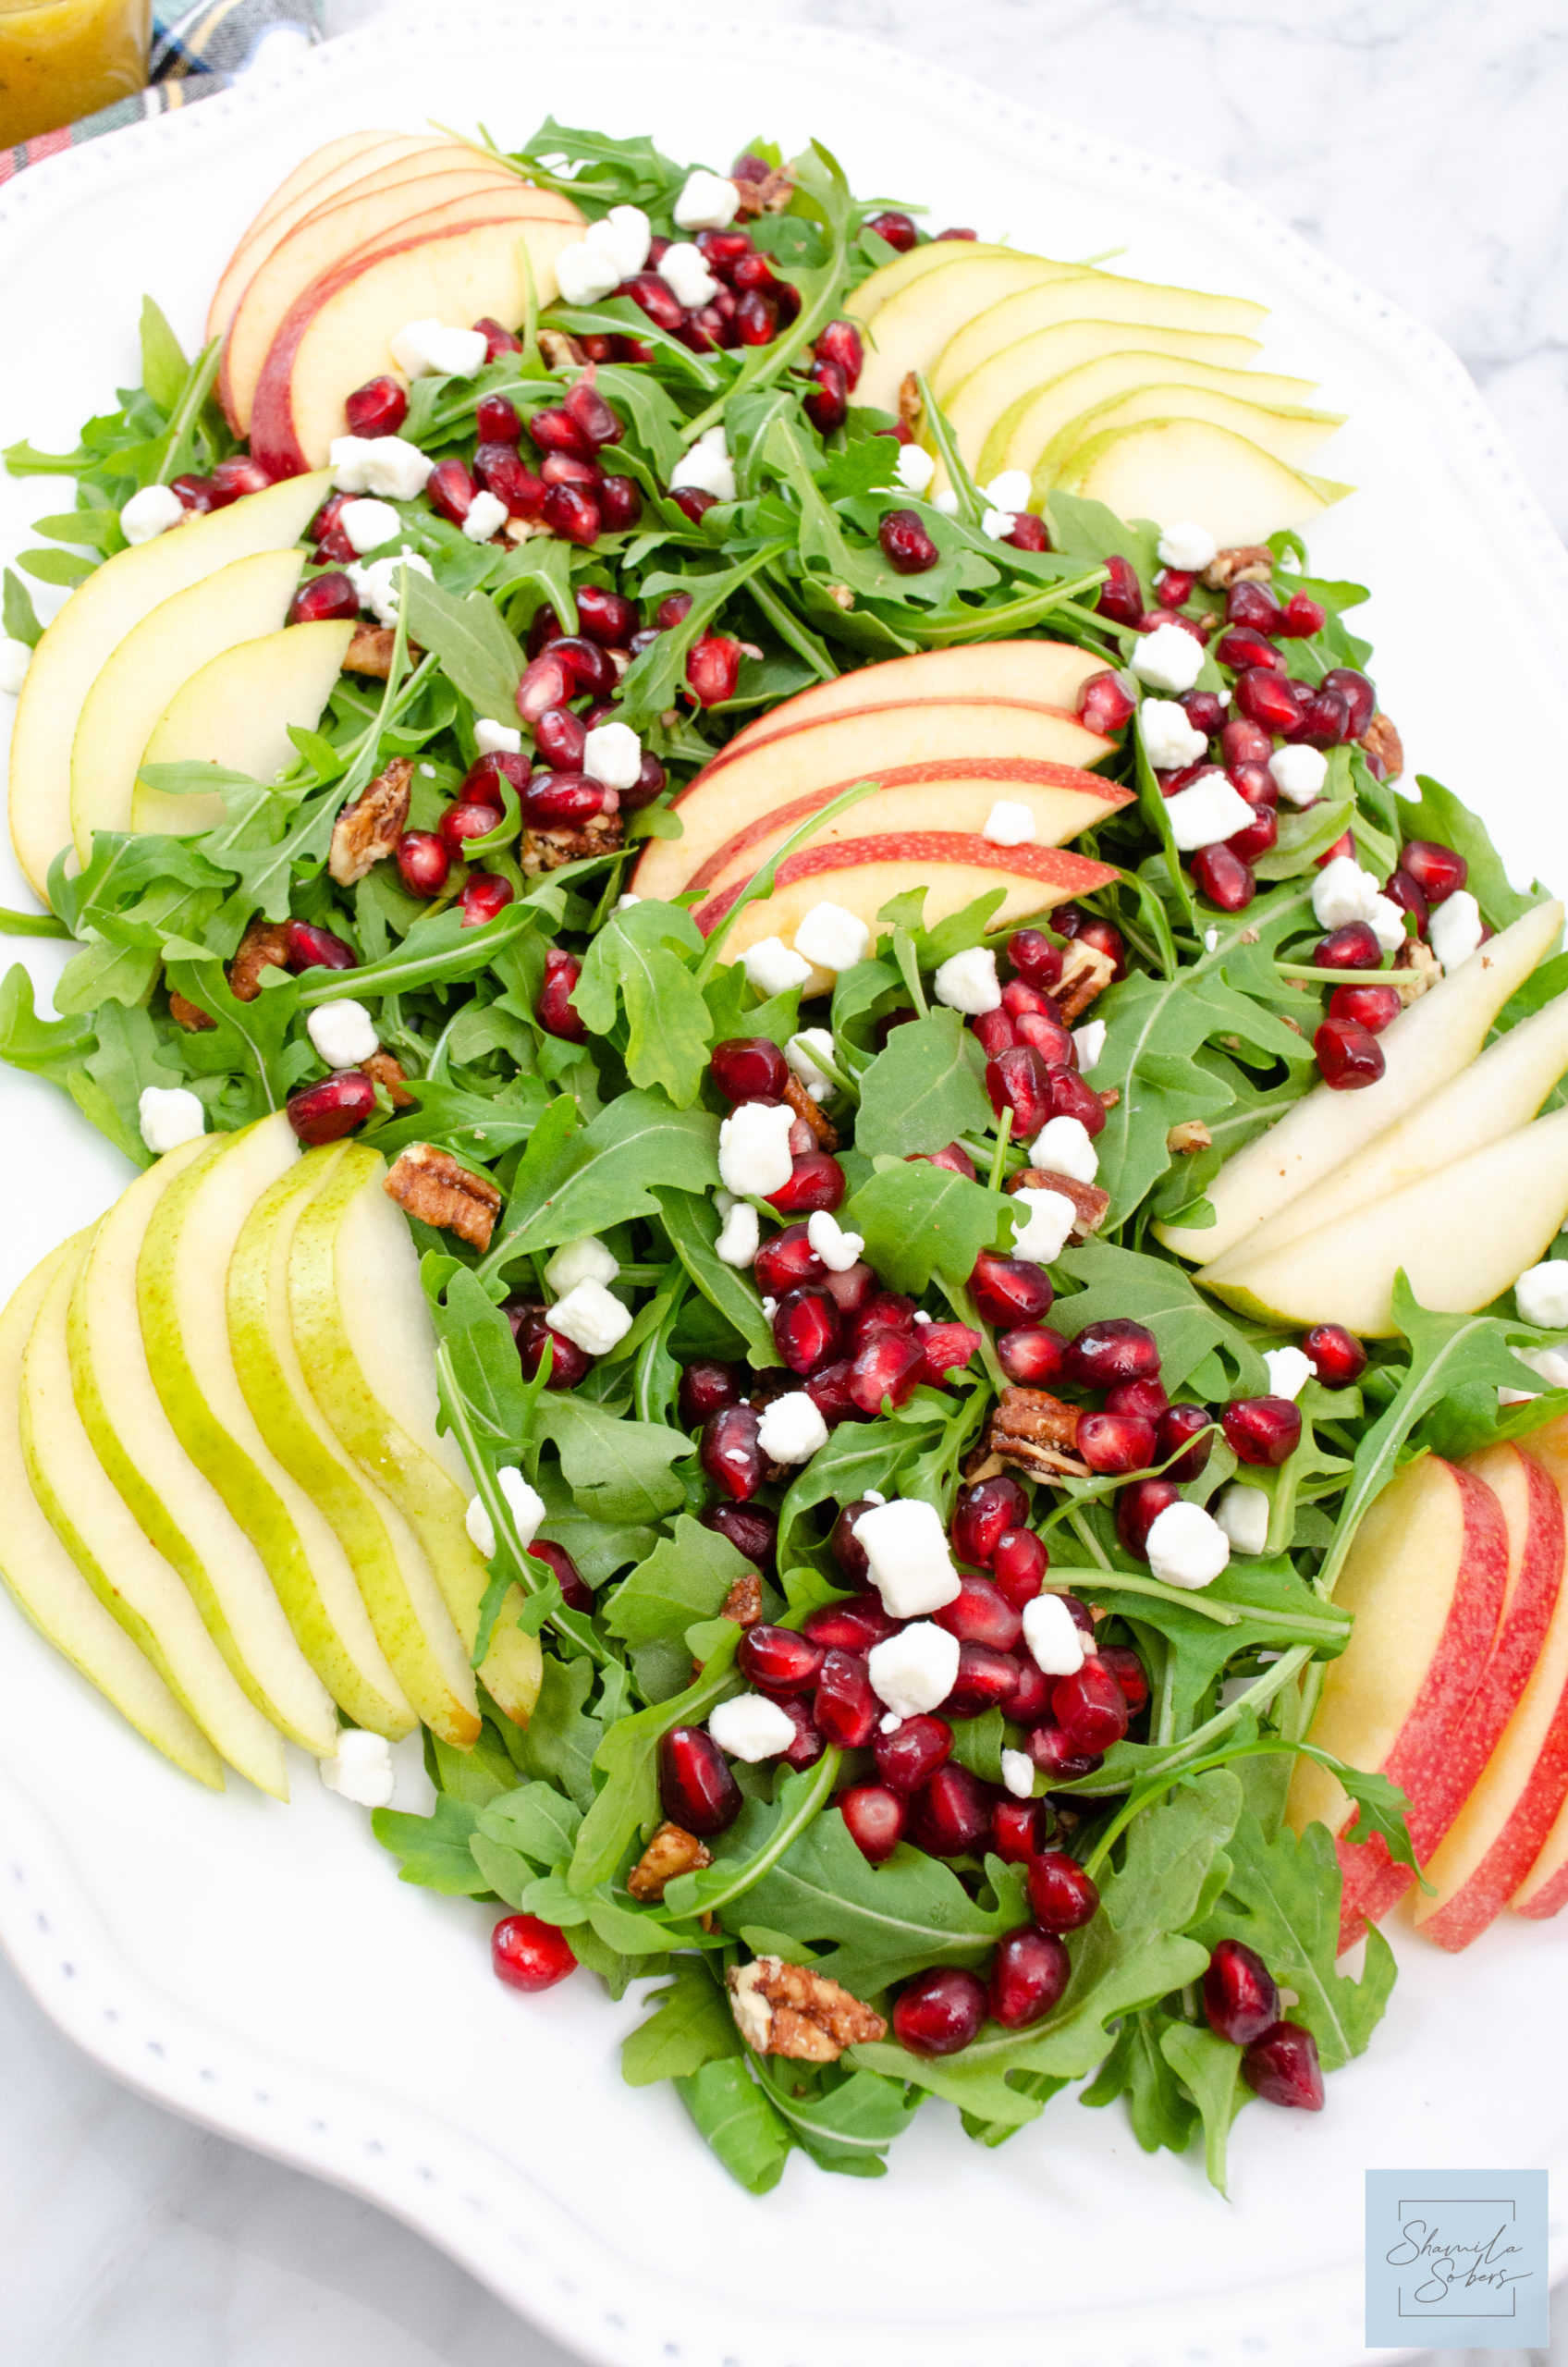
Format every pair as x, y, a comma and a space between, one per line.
248, 597
1021, 432
1287, 433
936, 254
397, 1584
129, 1577
514, 1664
234, 713
51, 1589
1425, 1046
1463, 1236
915, 326
181, 1277
1172, 469
176, 1507
1093, 296
1495, 1095
95, 619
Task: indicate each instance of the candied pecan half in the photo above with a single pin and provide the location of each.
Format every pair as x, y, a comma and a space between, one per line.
263, 945
802, 1105
1242, 563
909, 399
770, 195
1415, 969
671, 1851
188, 1015
1381, 740
1037, 1432
382, 1069
367, 831
369, 652
743, 1602
1086, 972
559, 349
440, 1190
783, 2009
1088, 1200
547, 850
1190, 1136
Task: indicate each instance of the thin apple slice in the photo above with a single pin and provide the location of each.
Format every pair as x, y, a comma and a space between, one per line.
322, 172
1532, 1512
1173, 469
340, 331
126, 1573
951, 795
94, 621
911, 329
1093, 296
864, 874
181, 1281
175, 1505
235, 712
1028, 673
1026, 424
1425, 1581
1286, 432
1462, 1237
1495, 1095
1425, 1045
243, 600
397, 1584
51, 1589
745, 785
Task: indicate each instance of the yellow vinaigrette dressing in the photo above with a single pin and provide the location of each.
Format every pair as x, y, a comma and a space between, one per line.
65, 59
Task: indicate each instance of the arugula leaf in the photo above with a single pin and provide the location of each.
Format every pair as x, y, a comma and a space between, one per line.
635, 963
738, 2121
690, 2024
617, 1469
1210, 2071
919, 1220
48, 1048
475, 649
1438, 814
19, 618
1139, 2068
605, 1174
627, 1759
559, 1741
847, 2127
1159, 1294
433, 1850
924, 1090
687, 1577
692, 1224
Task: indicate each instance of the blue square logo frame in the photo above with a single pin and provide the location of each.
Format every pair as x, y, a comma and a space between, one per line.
1456, 2260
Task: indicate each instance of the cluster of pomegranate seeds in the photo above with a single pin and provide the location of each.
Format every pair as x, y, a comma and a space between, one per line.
1242, 2001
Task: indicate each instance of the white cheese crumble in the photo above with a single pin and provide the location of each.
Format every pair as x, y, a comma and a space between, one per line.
1065, 1147
1189, 548
379, 584
802, 1052
1089, 1044
385, 464
1541, 1295
1553, 1367
945, 502
707, 467
169, 1115
835, 939
429, 350
915, 1670
624, 904
1342, 892
1243, 1513
791, 1429
683, 268
1018, 1773
708, 201
838, 1250
1042, 1222
771, 967
1168, 658
753, 1148
907, 1549
968, 981
1299, 774
486, 516
1057, 1643
15, 659
613, 754
151, 513
1454, 930
996, 523
1290, 1369
361, 1770
1010, 490
343, 1032
581, 1261
752, 1727
1186, 1547
523, 1502
590, 1318
740, 1232
1008, 824
1171, 739
493, 739
369, 523
623, 236
1211, 809
915, 468
585, 273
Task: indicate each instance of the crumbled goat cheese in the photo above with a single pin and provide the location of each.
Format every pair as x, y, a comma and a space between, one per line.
523, 1502
1553, 1367
1454, 930
1243, 1513
1170, 739
624, 235
1008, 824
996, 523
1055, 1641
1018, 1773
1185, 1548
151, 513
389, 465
1342, 892
791, 1429
590, 1318
835, 939
343, 1032
613, 754
1299, 774
838, 1250
1009, 491
493, 739
684, 271
581, 1261
752, 1727
1289, 1371
740, 1233
1541, 1295
915, 468
1089, 1042
1042, 1220
1188, 547
708, 201
486, 516
753, 1148
771, 967
379, 585
1211, 809
945, 502
430, 350
707, 467
15, 659
914, 1670
169, 1115
907, 1549
968, 981
1211, 941
801, 1053
361, 1768
624, 904
1168, 658
584, 273
1065, 1147
369, 523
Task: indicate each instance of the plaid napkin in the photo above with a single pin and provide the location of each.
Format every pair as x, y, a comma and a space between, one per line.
194, 53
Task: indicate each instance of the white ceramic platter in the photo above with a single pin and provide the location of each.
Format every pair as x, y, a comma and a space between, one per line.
259, 1968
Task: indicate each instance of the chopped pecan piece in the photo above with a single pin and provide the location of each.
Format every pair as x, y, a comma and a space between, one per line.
547, 850
440, 1190
264, 945
1088, 1200
1037, 1432
842, 596
743, 1602
1085, 973
1190, 1136
382, 1069
1416, 967
1381, 740
671, 1851
367, 831
369, 652
1242, 563
909, 399
188, 1015
1110, 1097
769, 195
559, 349
783, 2009
802, 1105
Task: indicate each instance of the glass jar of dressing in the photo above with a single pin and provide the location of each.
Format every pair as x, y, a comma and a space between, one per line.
62, 59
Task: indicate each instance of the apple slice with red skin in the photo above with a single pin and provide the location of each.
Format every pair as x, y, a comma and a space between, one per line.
863, 873
1039, 673
951, 794
1441, 1796
1544, 1888
339, 332
747, 785
1424, 1580
319, 176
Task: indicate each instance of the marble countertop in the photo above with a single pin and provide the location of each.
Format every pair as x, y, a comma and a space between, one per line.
1417, 141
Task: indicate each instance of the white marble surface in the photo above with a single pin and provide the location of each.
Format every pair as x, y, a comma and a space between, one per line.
1420, 143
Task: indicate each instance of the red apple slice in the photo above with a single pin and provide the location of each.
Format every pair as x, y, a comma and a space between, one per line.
1041, 673
1544, 1889
747, 785
339, 332
863, 873
1443, 1787
324, 171
1424, 1580
947, 794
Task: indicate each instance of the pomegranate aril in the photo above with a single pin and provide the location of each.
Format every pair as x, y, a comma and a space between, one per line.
565, 801
569, 1362
378, 407
1019, 1566
1147, 1397
874, 1818
561, 738
1242, 648
1062, 1897
853, 1626
1032, 1354
233, 479
555, 430
1224, 877
983, 1513
460, 823
713, 669
548, 680
1089, 1707
786, 1258
981, 1613
605, 616
575, 1593
1113, 1444
1172, 1432
1108, 1354
945, 1348
940, 2012
1325, 721
501, 472
844, 1707
1360, 698
816, 1181
1058, 1759
1338, 1358
1122, 597
564, 468
1130, 1675
693, 503
1370, 1007
908, 1757
1253, 604
554, 1009
1301, 617
890, 1366
325, 1113
1138, 1509
1173, 587
779, 1662
497, 340
1354, 947
1256, 784
423, 864
1015, 1830
1264, 1430
1240, 1997
496, 421
994, 1032
1029, 1973
729, 1454
1203, 711
1243, 743
529, 1954
897, 228
827, 406
706, 1387
807, 1330
317, 948
487, 779
571, 513
485, 896
952, 1814
749, 1068
954, 1158
1009, 1291
1027, 532
1270, 698
326, 599
649, 784
194, 493
756, 317
840, 342
1282, 2067
1402, 890
1071, 1098
1436, 870
808, 1746
986, 1679
1349, 1057
1259, 837
752, 1529
596, 423
621, 506
1051, 1039
696, 1787
906, 544
451, 490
